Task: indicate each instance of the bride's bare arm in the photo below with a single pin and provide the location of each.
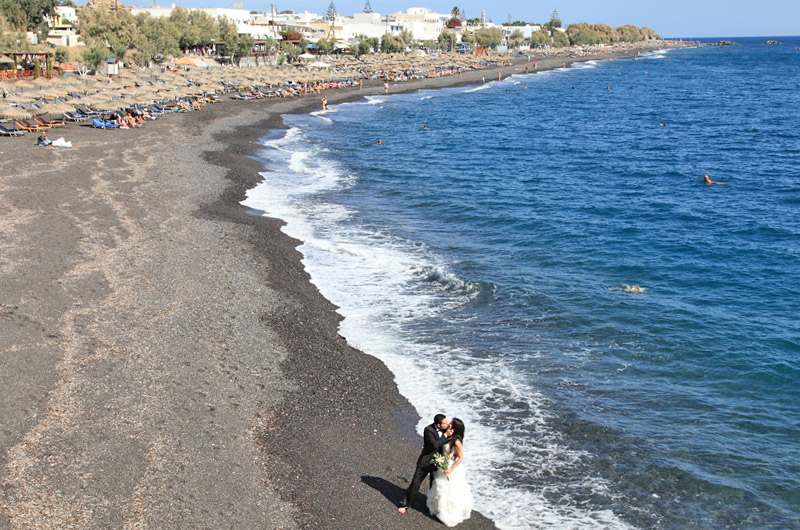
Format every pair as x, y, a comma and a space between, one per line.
459, 451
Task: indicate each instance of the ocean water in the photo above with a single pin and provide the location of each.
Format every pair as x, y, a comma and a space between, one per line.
485, 261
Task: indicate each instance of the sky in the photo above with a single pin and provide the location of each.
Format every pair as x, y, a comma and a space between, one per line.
670, 18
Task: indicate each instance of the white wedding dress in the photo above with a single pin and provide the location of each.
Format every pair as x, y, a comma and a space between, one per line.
450, 500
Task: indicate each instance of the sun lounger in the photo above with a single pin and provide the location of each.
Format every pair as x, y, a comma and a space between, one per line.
73, 117
28, 127
49, 123
104, 124
164, 109
87, 113
9, 132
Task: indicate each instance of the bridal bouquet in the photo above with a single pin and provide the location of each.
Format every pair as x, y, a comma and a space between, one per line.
441, 461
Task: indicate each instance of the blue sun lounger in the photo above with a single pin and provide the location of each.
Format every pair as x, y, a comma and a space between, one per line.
104, 124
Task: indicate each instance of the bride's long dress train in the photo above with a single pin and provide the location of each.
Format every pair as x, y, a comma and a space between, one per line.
450, 500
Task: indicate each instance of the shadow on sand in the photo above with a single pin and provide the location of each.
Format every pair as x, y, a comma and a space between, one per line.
395, 494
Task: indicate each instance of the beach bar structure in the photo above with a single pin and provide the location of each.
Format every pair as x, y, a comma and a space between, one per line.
25, 65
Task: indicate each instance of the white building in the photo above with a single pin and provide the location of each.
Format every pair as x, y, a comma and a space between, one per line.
63, 26
421, 22
240, 17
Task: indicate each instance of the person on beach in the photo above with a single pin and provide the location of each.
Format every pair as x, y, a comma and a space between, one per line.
707, 180
450, 497
324, 103
434, 437
386, 87
43, 140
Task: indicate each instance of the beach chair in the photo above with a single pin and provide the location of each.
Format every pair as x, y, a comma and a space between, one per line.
104, 124
73, 117
44, 123
10, 132
164, 109
86, 112
28, 127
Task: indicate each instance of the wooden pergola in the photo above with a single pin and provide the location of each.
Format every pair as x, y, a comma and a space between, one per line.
24, 65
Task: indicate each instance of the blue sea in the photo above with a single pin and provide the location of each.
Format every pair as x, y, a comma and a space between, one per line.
489, 259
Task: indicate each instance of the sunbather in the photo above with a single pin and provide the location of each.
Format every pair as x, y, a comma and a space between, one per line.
42, 140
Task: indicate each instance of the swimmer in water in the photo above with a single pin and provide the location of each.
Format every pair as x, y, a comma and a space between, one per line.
425, 127
707, 180
629, 288
379, 142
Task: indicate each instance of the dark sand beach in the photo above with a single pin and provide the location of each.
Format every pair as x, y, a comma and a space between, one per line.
165, 361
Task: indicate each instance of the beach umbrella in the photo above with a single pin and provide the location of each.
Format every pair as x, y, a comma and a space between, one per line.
184, 61
14, 113
108, 105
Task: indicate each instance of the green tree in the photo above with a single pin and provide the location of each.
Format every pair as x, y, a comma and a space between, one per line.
555, 20
607, 34
61, 55
391, 44
456, 12
468, 37
115, 28
542, 39
157, 36
30, 13
648, 33
367, 7
12, 40
325, 45
488, 37
560, 39
407, 38
331, 16
95, 56
447, 40
291, 51
203, 28
516, 38
583, 34
629, 33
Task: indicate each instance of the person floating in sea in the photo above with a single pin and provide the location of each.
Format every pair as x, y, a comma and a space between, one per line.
425, 127
379, 142
629, 288
707, 180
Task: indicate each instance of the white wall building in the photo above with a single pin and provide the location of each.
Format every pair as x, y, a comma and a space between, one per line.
63, 26
240, 17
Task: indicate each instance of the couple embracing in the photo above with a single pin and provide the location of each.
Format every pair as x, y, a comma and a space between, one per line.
449, 496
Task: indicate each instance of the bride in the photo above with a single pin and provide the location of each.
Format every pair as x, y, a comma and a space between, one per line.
450, 498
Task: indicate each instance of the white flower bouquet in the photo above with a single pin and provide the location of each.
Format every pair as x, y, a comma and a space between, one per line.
441, 461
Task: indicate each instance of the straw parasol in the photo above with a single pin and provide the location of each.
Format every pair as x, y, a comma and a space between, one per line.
14, 113
108, 105
185, 61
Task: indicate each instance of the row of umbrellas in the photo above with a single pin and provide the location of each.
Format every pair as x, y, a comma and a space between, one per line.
144, 87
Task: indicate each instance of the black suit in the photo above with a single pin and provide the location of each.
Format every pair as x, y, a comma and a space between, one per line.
433, 441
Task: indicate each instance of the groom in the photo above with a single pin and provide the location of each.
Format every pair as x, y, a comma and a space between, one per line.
434, 437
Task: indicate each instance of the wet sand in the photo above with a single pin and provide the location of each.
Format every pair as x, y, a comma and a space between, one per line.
165, 362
